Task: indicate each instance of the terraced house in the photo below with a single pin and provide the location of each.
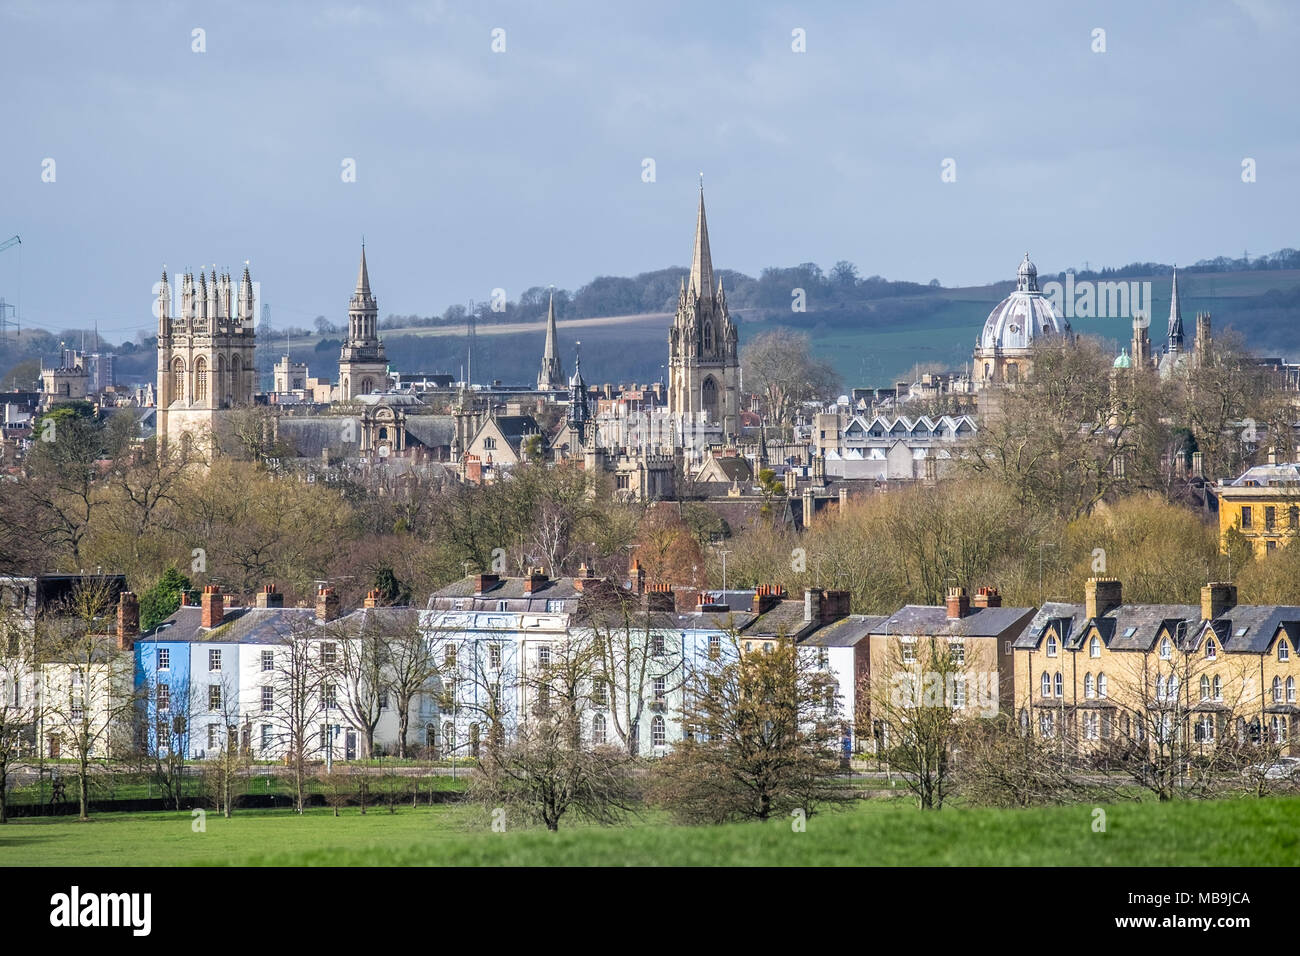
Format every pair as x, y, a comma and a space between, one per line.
1105, 676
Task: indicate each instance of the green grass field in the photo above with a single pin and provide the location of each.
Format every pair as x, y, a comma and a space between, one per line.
875, 832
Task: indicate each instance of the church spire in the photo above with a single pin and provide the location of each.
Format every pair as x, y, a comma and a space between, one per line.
702, 260
551, 375
1175, 343
363, 274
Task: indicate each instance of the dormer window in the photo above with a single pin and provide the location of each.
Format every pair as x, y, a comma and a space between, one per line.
1051, 645
1094, 646
1211, 649
1166, 649
1283, 650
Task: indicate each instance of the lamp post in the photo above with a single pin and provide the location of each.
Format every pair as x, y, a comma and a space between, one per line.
724, 573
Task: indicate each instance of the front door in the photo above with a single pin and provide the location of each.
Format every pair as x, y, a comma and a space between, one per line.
351, 745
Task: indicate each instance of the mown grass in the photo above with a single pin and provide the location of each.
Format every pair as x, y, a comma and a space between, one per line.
879, 832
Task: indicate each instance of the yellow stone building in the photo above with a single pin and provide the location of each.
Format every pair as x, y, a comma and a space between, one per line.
1263, 504
1108, 675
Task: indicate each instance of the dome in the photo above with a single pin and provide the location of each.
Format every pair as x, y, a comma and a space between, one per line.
1123, 361
1022, 317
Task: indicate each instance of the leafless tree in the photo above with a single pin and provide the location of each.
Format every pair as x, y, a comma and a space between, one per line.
19, 703
762, 737
547, 770
87, 697
914, 696
300, 685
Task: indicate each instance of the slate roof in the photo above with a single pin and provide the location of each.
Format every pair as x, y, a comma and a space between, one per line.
507, 589
260, 625
931, 620
1257, 624
432, 431
1264, 476
846, 632
312, 435
515, 428
784, 620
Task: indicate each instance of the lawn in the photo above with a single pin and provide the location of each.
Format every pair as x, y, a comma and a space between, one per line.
875, 832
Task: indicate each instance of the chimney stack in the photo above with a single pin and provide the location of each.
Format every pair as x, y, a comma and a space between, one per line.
660, 597
485, 582
1102, 595
1217, 599
372, 598
327, 605
766, 597
988, 597
269, 597
958, 603
213, 605
637, 575
128, 620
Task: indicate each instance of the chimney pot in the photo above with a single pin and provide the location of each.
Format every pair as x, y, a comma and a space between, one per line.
958, 603
1217, 599
1102, 595
213, 606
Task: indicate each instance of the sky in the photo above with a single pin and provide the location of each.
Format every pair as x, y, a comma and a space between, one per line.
479, 168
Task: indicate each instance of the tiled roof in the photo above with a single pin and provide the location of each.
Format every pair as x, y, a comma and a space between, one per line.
929, 620
846, 632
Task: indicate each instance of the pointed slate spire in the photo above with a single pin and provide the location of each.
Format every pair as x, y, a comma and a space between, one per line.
702, 260
1175, 343
551, 375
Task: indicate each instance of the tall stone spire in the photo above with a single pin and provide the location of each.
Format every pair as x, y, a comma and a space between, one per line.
363, 274
701, 261
552, 375
1175, 343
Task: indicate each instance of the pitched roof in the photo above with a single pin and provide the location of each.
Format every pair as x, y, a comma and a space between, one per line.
925, 620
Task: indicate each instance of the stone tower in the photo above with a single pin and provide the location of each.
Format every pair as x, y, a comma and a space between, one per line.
205, 356
363, 366
552, 375
1202, 354
703, 367
1141, 343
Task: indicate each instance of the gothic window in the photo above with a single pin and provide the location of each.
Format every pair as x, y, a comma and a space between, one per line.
178, 380
366, 386
709, 398
200, 379
236, 368
708, 337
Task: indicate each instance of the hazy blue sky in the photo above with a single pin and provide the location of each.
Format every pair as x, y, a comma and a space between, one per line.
478, 169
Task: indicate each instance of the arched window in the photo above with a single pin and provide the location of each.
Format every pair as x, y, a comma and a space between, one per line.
1277, 690
658, 732
236, 379
1089, 688
598, 730
1283, 650
1205, 687
1290, 690
178, 380
1094, 646
383, 434
709, 398
1047, 684
1051, 645
367, 386
219, 381
1218, 688
200, 379
1171, 687
1166, 649
988, 371
1101, 685
1211, 649
1060, 685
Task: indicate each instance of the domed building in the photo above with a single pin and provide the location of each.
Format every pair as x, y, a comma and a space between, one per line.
1004, 349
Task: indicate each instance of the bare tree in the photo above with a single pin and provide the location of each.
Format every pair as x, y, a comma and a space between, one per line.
546, 770
87, 696
19, 703
915, 697
299, 694
762, 737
